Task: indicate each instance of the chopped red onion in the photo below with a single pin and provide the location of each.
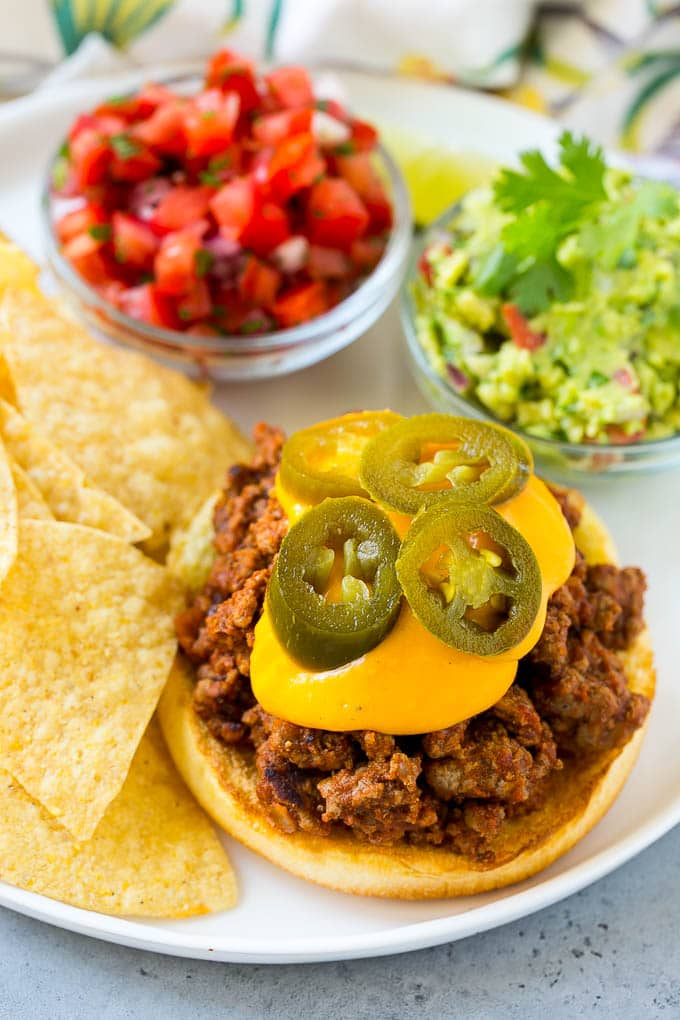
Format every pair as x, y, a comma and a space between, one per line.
146, 197
228, 258
459, 379
291, 255
328, 130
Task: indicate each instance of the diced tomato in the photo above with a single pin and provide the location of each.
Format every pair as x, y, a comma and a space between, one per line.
90, 156
175, 262
232, 73
336, 216
83, 122
364, 136
134, 243
274, 127
136, 106
300, 304
267, 229
146, 303
295, 164
359, 172
138, 165
291, 86
79, 221
233, 207
181, 206
619, 437
259, 283
209, 122
83, 252
164, 129
195, 303
329, 263
333, 108
366, 252
521, 333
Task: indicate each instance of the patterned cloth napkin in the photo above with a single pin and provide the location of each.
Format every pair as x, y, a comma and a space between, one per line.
607, 67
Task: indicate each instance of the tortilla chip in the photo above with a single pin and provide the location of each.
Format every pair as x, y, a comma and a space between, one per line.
86, 644
17, 271
62, 483
154, 853
8, 516
192, 549
30, 502
142, 432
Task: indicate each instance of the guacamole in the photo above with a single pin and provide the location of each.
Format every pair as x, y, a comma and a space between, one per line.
554, 301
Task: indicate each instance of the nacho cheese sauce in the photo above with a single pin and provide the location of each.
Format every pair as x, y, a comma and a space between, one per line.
377, 691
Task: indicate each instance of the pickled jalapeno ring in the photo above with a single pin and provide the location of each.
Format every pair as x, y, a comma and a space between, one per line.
309, 463
418, 462
334, 592
470, 578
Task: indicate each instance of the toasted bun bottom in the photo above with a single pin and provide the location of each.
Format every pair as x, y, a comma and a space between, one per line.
223, 780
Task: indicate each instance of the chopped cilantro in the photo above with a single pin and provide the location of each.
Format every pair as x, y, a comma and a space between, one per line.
124, 146
203, 260
553, 202
211, 175
100, 231
60, 173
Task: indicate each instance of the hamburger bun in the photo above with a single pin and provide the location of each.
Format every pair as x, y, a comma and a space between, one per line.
223, 780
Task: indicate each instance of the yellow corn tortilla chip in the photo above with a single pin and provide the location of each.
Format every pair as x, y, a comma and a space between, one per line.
154, 854
30, 502
62, 483
17, 271
86, 644
192, 549
141, 431
8, 516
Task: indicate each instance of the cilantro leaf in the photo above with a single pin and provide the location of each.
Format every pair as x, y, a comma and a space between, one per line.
547, 203
541, 283
124, 146
494, 271
576, 184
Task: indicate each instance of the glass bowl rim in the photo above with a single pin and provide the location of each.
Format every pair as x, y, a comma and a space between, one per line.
349, 308
545, 444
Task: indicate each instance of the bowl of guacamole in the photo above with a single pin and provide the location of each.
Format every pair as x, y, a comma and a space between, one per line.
550, 301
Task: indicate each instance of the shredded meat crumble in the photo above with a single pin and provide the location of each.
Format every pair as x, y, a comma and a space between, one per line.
456, 786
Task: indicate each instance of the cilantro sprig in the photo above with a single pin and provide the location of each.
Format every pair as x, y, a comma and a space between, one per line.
548, 203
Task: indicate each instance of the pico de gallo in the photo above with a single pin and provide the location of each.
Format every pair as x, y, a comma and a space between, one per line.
247, 207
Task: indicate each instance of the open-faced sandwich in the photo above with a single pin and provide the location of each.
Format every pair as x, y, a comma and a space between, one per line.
411, 668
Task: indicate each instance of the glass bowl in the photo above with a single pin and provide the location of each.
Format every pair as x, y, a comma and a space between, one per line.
569, 460
241, 357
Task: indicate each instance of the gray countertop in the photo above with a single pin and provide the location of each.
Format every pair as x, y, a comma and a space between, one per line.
612, 949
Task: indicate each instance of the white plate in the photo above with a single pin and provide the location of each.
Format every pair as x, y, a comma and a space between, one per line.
280, 918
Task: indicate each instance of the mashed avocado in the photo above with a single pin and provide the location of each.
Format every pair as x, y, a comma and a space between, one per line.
554, 301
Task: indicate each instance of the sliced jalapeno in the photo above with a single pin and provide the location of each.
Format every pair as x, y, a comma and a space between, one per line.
334, 592
417, 462
470, 578
323, 460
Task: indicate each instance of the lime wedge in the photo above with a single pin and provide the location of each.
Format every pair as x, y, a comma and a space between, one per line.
436, 176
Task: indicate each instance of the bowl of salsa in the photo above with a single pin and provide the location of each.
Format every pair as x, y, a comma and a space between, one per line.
238, 225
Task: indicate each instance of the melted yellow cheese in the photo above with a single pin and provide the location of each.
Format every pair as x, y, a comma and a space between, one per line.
411, 682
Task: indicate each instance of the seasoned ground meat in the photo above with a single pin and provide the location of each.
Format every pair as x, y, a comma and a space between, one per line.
457, 786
